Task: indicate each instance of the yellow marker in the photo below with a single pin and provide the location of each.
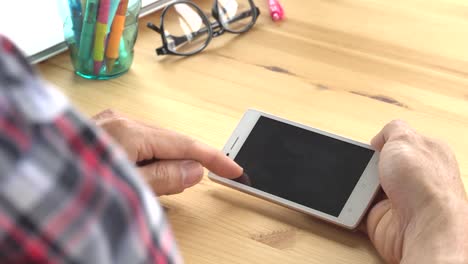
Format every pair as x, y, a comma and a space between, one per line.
100, 35
99, 46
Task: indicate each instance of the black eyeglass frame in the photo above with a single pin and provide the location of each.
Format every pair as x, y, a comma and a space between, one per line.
212, 27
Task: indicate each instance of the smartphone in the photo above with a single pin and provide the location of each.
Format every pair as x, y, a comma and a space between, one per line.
321, 174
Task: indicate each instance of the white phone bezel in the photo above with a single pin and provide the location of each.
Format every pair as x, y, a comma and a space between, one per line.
357, 203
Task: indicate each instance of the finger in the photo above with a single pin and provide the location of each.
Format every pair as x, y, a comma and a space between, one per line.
171, 145
378, 198
363, 227
214, 160
172, 176
376, 214
378, 141
395, 127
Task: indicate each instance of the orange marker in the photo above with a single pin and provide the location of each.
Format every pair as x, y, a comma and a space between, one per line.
113, 44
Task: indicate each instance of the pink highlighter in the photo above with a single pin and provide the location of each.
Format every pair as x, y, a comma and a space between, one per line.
276, 10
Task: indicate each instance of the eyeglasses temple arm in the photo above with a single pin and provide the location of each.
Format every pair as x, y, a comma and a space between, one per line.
177, 40
153, 27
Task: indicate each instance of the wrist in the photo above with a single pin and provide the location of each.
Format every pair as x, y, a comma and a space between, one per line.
438, 237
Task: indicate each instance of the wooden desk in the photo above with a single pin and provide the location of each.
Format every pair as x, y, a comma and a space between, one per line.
345, 66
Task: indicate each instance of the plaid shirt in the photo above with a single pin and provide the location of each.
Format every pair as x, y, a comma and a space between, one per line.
66, 194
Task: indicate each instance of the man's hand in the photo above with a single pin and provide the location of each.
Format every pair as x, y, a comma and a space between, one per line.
424, 218
180, 159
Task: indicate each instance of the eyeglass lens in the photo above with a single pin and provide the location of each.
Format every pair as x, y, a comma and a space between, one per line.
186, 32
235, 15
184, 29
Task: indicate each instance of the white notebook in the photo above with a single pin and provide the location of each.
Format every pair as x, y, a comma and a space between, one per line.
37, 28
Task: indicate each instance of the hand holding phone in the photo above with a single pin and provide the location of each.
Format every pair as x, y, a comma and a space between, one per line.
424, 218
312, 171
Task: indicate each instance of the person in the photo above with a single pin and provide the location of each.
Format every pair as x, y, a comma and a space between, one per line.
68, 194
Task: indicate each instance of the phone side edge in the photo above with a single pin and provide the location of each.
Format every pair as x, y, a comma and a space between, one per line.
276, 200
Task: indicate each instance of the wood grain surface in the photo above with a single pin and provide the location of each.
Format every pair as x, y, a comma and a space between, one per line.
344, 66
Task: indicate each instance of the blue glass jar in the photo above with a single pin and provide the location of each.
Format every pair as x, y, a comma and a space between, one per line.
100, 35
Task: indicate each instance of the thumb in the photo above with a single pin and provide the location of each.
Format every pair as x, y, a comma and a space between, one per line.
172, 176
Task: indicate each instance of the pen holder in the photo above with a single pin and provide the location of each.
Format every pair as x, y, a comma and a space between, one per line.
100, 35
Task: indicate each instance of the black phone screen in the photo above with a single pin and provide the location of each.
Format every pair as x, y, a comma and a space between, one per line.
302, 166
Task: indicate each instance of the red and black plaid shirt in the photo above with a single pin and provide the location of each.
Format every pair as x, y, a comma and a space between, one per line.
66, 194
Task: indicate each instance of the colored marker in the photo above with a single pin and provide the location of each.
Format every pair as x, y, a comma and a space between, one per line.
112, 11
112, 52
77, 18
100, 35
276, 10
87, 32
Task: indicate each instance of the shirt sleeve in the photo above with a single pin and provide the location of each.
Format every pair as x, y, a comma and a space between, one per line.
67, 195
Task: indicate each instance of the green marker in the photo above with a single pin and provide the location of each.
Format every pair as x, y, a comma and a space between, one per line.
87, 34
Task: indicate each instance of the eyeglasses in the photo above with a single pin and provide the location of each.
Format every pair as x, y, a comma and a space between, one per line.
186, 30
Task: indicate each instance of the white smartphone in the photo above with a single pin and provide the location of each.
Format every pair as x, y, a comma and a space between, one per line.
303, 168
